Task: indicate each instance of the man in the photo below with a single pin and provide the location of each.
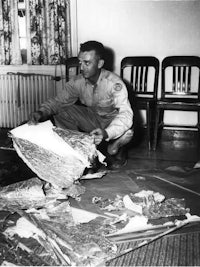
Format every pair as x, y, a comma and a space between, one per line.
104, 112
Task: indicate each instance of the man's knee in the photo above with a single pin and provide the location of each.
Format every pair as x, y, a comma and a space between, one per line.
113, 148
64, 120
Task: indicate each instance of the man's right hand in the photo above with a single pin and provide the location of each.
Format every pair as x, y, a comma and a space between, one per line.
35, 117
99, 135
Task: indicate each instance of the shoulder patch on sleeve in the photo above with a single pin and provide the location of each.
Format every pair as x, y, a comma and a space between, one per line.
118, 86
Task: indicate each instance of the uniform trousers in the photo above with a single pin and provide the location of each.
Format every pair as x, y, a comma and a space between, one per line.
85, 119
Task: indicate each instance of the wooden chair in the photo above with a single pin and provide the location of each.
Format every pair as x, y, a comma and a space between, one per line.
180, 90
141, 73
72, 63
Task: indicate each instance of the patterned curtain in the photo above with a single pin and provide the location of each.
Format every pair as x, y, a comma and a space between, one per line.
9, 33
49, 35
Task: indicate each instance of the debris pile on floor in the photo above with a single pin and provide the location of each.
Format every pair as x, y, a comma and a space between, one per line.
151, 204
47, 218
47, 225
59, 231
140, 209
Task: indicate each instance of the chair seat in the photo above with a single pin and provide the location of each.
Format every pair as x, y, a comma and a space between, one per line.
143, 99
144, 102
179, 100
178, 105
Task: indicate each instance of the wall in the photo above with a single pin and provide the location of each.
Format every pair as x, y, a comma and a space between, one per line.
129, 27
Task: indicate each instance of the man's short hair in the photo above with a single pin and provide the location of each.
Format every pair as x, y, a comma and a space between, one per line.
93, 45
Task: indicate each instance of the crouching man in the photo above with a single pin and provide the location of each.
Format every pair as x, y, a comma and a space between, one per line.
104, 109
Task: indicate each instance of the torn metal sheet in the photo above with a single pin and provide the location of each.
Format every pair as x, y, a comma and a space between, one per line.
24, 194
55, 155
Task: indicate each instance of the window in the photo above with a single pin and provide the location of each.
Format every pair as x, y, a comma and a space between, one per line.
22, 30
36, 32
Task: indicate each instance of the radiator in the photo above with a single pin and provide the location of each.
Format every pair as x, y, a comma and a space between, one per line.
21, 94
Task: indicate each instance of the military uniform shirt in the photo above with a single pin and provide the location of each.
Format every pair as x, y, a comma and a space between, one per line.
108, 97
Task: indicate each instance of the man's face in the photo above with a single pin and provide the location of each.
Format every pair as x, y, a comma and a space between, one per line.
90, 64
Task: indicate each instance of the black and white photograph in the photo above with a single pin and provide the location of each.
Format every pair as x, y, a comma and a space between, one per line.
99, 133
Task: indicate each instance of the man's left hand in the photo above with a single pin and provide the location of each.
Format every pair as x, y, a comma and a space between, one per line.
99, 135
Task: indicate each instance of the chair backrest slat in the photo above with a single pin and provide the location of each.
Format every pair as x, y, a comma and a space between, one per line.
145, 78
179, 82
141, 86
174, 80
136, 78
184, 86
189, 79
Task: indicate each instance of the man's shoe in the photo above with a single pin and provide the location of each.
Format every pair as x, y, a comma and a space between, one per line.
119, 160
118, 163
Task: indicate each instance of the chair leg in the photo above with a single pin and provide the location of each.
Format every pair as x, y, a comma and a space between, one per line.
157, 119
148, 122
198, 120
198, 126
